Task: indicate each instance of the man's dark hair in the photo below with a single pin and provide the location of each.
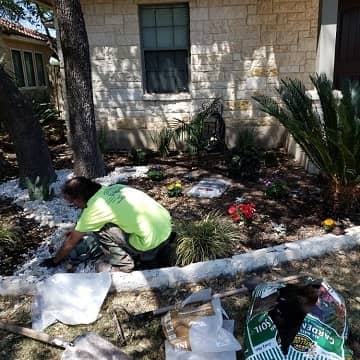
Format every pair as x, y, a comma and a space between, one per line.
80, 187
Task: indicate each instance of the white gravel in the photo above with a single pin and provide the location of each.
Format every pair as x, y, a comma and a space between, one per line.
59, 216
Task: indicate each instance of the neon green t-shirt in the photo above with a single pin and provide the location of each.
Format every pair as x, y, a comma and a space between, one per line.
133, 211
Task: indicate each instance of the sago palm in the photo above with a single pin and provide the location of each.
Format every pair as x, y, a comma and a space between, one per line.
329, 136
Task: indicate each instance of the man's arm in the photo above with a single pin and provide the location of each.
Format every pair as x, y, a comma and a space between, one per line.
72, 239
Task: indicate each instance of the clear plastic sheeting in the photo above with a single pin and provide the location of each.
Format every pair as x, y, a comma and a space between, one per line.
198, 331
69, 298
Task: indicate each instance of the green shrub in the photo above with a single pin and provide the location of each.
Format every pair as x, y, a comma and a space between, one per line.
276, 190
162, 141
138, 156
39, 189
270, 158
245, 159
210, 238
329, 136
156, 173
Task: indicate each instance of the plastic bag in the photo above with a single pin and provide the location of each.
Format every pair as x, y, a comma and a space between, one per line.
209, 188
198, 332
70, 298
298, 321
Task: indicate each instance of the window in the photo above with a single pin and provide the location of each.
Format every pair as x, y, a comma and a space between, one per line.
29, 68
165, 46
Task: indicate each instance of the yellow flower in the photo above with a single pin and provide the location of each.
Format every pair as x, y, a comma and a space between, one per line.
171, 187
328, 222
178, 185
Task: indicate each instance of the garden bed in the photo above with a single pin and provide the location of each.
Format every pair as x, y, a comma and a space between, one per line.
296, 214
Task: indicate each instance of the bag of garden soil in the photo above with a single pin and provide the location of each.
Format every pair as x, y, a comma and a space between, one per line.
303, 320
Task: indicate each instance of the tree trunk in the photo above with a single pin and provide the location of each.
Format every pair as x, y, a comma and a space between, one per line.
88, 159
32, 152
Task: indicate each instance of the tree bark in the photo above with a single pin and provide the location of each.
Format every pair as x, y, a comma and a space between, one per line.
88, 159
32, 152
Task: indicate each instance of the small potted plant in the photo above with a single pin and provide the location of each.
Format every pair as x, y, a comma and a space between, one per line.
275, 189
156, 172
174, 189
242, 212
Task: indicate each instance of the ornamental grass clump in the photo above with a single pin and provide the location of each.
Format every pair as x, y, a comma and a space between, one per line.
174, 190
209, 238
8, 237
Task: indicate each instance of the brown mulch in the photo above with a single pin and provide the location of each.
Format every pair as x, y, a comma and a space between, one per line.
301, 211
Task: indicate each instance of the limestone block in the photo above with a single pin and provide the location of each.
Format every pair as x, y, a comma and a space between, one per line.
310, 66
251, 9
94, 20
197, 14
238, 105
102, 9
131, 123
298, 58
256, 83
115, 52
289, 69
259, 71
235, 12
300, 26
311, 55
216, 27
125, 39
288, 7
272, 72
88, 9
262, 19
131, 27
101, 39
114, 19
267, 38
307, 44
287, 37
121, 7
228, 12
97, 29
264, 7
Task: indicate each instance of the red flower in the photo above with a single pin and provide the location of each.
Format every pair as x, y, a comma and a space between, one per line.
232, 209
236, 217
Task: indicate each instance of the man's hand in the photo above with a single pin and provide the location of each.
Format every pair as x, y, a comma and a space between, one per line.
50, 262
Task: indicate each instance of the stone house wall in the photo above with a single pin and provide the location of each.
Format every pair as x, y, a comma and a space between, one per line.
238, 48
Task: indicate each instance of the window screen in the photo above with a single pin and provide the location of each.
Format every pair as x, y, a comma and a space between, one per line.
40, 69
29, 69
18, 68
165, 43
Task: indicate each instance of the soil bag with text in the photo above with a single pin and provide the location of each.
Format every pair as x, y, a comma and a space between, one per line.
303, 320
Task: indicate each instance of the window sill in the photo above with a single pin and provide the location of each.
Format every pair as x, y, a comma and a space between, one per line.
167, 97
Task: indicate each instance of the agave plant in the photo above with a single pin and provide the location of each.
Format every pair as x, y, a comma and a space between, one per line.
209, 238
329, 136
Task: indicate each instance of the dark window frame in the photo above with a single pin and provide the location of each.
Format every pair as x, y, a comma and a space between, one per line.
158, 50
34, 64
